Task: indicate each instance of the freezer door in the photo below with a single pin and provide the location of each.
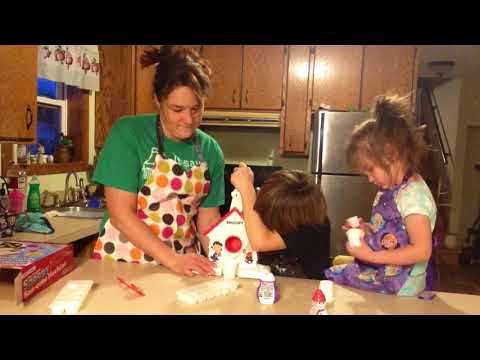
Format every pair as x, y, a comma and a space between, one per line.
346, 196
330, 133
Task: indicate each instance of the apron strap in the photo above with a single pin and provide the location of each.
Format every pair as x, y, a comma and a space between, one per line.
195, 141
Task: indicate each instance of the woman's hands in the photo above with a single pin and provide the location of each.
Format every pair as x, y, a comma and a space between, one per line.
190, 264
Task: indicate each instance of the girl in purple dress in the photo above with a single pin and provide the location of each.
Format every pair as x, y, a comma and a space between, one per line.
397, 244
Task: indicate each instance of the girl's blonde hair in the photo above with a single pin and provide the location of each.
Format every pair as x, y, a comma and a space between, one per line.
389, 132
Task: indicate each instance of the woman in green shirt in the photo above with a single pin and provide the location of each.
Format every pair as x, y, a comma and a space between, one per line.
161, 173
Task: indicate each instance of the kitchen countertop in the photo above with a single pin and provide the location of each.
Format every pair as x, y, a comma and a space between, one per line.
160, 286
67, 230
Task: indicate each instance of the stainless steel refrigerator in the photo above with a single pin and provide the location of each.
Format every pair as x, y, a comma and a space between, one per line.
348, 193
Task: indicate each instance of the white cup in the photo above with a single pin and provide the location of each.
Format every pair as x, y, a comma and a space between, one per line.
354, 235
327, 288
353, 221
229, 269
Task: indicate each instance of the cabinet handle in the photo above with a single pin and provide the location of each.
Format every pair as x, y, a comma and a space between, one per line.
246, 96
29, 117
233, 97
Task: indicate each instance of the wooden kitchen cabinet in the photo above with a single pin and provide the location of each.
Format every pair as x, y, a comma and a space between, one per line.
226, 64
144, 103
248, 77
262, 76
295, 129
337, 76
116, 97
388, 69
18, 94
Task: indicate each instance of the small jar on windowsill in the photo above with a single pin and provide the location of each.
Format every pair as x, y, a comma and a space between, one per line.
63, 153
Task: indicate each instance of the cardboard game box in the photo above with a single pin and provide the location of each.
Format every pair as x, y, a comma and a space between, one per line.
33, 266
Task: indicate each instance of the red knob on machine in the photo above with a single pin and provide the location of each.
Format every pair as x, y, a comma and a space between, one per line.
233, 244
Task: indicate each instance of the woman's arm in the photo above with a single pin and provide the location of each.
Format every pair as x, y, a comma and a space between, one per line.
205, 218
419, 249
259, 236
122, 210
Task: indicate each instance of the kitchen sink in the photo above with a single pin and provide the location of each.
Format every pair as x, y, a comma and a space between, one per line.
80, 212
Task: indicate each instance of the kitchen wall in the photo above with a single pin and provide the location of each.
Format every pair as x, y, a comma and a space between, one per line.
459, 104
466, 185
254, 146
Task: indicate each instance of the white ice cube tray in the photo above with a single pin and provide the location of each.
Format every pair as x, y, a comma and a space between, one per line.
71, 296
206, 290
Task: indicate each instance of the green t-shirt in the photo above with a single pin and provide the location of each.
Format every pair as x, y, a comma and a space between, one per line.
128, 156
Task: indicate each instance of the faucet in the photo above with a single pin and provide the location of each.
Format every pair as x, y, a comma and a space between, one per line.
78, 185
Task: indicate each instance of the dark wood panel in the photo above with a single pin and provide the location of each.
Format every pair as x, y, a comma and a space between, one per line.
116, 95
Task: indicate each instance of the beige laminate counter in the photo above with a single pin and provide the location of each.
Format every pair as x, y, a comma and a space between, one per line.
67, 230
160, 285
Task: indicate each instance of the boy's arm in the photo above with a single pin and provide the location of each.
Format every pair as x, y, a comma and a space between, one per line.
259, 236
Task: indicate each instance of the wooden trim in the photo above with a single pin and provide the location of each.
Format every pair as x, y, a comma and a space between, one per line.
78, 113
7, 155
283, 111
46, 169
361, 79
416, 64
240, 92
310, 81
133, 93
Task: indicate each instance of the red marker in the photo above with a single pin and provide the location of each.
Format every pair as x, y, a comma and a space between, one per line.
132, 287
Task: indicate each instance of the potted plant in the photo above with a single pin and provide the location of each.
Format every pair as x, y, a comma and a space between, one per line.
63, 150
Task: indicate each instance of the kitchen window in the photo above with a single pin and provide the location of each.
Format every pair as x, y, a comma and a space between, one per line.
60, 109
51, 115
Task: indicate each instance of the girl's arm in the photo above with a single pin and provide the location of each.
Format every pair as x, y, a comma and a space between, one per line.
259, 236
122, 210
419, 249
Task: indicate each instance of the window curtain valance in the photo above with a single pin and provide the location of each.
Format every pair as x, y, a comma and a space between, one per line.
76, 65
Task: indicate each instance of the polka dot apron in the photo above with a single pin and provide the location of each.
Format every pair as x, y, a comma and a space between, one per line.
166, 203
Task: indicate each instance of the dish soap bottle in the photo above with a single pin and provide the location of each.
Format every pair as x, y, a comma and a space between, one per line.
267, 291
33, 200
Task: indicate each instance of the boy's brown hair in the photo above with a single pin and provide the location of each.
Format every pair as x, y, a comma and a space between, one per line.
390, 132
288, 199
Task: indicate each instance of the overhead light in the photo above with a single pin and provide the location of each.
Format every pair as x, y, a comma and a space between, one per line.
442, 67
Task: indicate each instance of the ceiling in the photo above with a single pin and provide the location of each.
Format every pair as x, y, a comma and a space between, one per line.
466, 57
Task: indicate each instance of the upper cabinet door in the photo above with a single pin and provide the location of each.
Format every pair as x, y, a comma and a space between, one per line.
387, 69
18, 93
296, 125
226, 64
116, 95
262, 76
337, 75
